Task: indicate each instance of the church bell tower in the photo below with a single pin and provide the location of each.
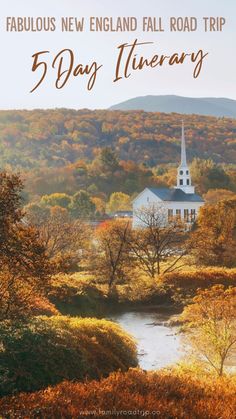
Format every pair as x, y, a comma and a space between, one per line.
183, 175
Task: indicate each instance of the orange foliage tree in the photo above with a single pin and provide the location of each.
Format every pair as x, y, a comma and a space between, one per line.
112, 260
24, 267
65, 239
215, 238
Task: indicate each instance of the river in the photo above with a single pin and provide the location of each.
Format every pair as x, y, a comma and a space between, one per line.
158, 344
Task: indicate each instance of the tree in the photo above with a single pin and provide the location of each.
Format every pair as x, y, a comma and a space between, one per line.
10, 205
56, 200
24, 276
112, 260
65, 239
158, 246
119, 201
208, 175
211, 325
215, 237
82, 205
215, 195
100, 205
108, 160
24, 267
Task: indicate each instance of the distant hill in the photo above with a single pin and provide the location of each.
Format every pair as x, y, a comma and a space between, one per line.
183, 105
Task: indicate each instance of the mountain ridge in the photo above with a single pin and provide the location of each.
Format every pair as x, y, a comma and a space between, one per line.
209, 106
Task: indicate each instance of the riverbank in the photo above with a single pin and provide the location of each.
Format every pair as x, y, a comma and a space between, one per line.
81, 294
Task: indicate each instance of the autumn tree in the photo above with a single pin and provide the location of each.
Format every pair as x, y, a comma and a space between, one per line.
119, 201
112, 260
10, 205
24, 276
82, 206
215, 195
100, 205
107, 160
215, 238
65, 239
158, 245
211, 325
24, 267
56, 199
208, 175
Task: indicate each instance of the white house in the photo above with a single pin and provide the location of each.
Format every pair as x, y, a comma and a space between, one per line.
180, 201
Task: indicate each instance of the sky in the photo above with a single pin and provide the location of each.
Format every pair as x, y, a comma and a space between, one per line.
216, 79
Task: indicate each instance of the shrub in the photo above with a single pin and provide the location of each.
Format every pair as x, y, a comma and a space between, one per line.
184, 285
45, 351
202, 277
82, 294
171, 395
78, 294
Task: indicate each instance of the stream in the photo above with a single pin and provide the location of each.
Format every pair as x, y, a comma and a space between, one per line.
158, 344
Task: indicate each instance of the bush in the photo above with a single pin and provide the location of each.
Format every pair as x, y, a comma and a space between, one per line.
78, 295
172, 395
183, 285
81, 294
45, 351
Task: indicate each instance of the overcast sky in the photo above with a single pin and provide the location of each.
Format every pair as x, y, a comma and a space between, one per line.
217, 77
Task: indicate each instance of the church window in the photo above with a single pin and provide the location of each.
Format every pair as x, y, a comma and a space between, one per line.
187, 181
181, 172
178, 213
181, 182
193, 215
170, 214
186, 172
186, 215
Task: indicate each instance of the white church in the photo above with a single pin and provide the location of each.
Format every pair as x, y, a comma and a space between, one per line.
180, 201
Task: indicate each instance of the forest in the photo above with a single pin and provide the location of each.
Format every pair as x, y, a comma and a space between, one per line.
102, 152
57, 138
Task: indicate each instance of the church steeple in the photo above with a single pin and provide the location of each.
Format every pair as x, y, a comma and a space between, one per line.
183, 174
183, 148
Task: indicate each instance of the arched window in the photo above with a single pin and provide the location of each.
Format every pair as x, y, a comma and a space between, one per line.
181, 172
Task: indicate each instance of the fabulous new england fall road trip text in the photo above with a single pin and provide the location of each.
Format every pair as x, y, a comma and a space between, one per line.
111, 24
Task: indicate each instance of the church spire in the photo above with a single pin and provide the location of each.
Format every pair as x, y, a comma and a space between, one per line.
183, 148
183, 175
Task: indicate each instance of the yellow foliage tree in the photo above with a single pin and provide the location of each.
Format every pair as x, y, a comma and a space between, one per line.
211, 325
119, 201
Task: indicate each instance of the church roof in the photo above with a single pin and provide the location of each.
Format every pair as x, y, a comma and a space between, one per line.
166, 194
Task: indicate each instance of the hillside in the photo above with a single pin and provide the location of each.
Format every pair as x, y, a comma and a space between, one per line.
219, 107
56, 138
